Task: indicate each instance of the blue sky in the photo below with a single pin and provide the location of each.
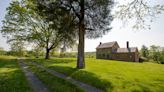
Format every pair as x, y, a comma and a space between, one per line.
155, 36
3, 5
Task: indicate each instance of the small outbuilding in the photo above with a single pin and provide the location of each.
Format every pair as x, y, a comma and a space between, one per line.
112, 51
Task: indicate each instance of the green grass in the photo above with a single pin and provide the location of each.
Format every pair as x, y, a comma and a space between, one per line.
55, 84
12, 78
110, 75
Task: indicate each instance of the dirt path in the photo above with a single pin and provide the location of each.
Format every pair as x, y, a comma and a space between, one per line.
35, 83
82, 85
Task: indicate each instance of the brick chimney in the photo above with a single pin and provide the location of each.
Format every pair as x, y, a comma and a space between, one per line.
127, 44
100, 43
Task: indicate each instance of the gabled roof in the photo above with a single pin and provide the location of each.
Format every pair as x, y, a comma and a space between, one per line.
106, 45
126, 50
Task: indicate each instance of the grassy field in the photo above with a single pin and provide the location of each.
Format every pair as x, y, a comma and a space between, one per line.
12, 78
114, 76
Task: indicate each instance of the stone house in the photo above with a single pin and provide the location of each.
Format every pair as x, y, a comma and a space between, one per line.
112, 51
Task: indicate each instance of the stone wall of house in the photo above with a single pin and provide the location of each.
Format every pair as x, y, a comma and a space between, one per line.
124, 56
104, 53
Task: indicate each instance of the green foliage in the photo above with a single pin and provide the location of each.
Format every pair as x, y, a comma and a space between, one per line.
154, 54
73, 54
112, 76
12, 78
144, 51
162, 57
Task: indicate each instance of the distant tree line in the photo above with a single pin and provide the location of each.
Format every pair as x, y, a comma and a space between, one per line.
37, 52
152, 54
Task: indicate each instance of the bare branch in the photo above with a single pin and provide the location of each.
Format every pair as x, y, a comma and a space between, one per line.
140, 11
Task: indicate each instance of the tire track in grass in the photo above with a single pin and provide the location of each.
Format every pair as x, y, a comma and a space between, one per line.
82, 85
35, 83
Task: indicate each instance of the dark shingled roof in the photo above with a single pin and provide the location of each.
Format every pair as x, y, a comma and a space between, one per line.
106, 45
126, 50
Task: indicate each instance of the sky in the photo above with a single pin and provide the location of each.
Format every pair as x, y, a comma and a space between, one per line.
155, 36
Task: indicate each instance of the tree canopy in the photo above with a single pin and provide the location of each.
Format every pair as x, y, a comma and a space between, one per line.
24, 23
92, 18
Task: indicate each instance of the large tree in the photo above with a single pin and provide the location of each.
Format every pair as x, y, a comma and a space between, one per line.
92, 17
23, 22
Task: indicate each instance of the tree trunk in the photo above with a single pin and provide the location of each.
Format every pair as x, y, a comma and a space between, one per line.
81, 57
47, 56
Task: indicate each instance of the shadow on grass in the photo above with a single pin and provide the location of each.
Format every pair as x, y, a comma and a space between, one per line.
7, 63
84, 76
